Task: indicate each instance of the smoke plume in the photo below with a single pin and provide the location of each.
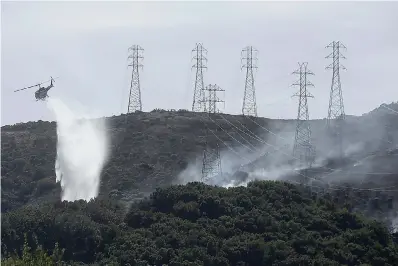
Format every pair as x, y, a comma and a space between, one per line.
82, 150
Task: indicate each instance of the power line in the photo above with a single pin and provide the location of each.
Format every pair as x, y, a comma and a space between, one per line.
200, 64
303, 149
249, 55
276, 149
252, 135
231, 135
282, 138
229, 147
303, 175
273, 133
235, 152
388, 108
248, 142
333, 187
135, 57
336, 115
223, 142
269, 131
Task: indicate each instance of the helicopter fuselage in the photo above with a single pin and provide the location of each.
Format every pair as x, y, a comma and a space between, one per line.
41, 93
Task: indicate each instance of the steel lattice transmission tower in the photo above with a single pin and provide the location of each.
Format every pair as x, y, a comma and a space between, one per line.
211, 156
303, 148
387, 142
336, 115
200, 64
249, 58
210, 101
211, 166
135, 62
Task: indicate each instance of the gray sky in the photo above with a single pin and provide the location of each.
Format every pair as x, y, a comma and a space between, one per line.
85, 44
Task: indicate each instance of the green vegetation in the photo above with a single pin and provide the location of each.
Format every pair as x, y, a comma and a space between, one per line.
267, 223
36, 257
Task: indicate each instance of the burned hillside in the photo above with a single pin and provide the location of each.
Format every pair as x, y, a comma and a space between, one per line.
150, 150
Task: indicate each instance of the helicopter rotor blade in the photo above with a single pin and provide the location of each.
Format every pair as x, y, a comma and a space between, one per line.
27, 87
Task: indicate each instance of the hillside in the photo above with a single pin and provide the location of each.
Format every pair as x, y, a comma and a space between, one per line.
162, 148
150, 150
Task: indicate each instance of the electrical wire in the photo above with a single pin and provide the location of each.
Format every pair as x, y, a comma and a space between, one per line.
229, 134
388, 108
339, 169
230, 148
273, 146
382, 189
254, 136
238, 132
269, 131
299, 173
333, 169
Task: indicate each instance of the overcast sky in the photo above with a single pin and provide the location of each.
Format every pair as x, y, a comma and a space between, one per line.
85, 44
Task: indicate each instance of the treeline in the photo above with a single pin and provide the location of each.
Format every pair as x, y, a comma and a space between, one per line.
266, 223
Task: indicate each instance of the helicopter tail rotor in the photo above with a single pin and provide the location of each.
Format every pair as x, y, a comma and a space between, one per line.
53, 79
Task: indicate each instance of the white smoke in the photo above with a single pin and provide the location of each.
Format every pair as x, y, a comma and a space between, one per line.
82, 150
230, 164
394, 224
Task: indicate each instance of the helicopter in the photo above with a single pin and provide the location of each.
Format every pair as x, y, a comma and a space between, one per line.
41, 93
